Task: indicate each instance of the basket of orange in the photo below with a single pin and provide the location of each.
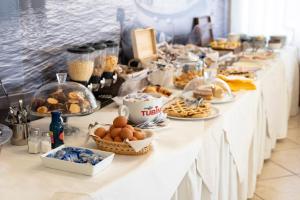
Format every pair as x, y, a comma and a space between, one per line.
121, 138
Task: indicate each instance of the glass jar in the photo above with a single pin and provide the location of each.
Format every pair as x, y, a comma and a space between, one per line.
186, 71
80, 63
45, 142
99, 55
162, 75
112, 54
210, 73
34, 141
99, 64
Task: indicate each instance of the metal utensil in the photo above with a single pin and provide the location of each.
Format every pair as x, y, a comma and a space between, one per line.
19, 117
157, 121
20, 104
24, 114
200, 101
12, 115
20, 134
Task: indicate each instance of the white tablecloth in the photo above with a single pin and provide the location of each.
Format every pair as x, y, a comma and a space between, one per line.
289, 58
218, 159
133, 177
250, 138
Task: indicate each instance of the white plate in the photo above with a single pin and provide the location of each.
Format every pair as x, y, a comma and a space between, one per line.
227, 98
79, 168
214, 113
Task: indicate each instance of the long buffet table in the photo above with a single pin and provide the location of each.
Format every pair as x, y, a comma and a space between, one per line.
215, 159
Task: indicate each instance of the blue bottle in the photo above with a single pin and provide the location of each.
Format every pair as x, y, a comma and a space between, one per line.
56, 130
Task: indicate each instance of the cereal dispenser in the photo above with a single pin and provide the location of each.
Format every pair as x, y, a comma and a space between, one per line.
110, 81
80, 61
99, 64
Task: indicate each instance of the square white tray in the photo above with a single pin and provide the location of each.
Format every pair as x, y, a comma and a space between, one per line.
80, 168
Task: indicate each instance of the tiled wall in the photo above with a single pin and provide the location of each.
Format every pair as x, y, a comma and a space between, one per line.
34, 33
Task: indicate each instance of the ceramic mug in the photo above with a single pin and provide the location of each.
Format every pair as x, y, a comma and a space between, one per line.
139, 111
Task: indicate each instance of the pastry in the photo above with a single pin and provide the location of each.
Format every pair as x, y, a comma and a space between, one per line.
118, 139
76, 96
164, 91
238, 83
179, 109
139, 135
130, 127
120, 122
73, 101
110, 63
119, 132
133, 139
246, 74
59, 95
126, 133
218, 91
100, 132
52, 101
108, 138
42, 110
86, 104
150, 89
115, 132
74, 108
157, 90
223, 44
204, 92
65, 101
185, 77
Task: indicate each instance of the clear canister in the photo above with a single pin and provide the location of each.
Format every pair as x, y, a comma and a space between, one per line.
112, 54
34, 141
186, 71
80, 63
99, 55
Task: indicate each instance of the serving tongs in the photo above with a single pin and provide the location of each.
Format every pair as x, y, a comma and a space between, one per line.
194, 102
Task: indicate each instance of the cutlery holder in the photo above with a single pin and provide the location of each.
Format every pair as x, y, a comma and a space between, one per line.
20, 134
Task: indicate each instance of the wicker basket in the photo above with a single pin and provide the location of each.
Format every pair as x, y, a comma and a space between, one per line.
119, 147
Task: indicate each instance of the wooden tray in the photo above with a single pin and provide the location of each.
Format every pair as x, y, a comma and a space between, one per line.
144, 44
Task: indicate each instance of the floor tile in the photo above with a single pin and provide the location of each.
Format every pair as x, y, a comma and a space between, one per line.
294, 122
272, 170
294, 135
289, 159
285, 188
286, 144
